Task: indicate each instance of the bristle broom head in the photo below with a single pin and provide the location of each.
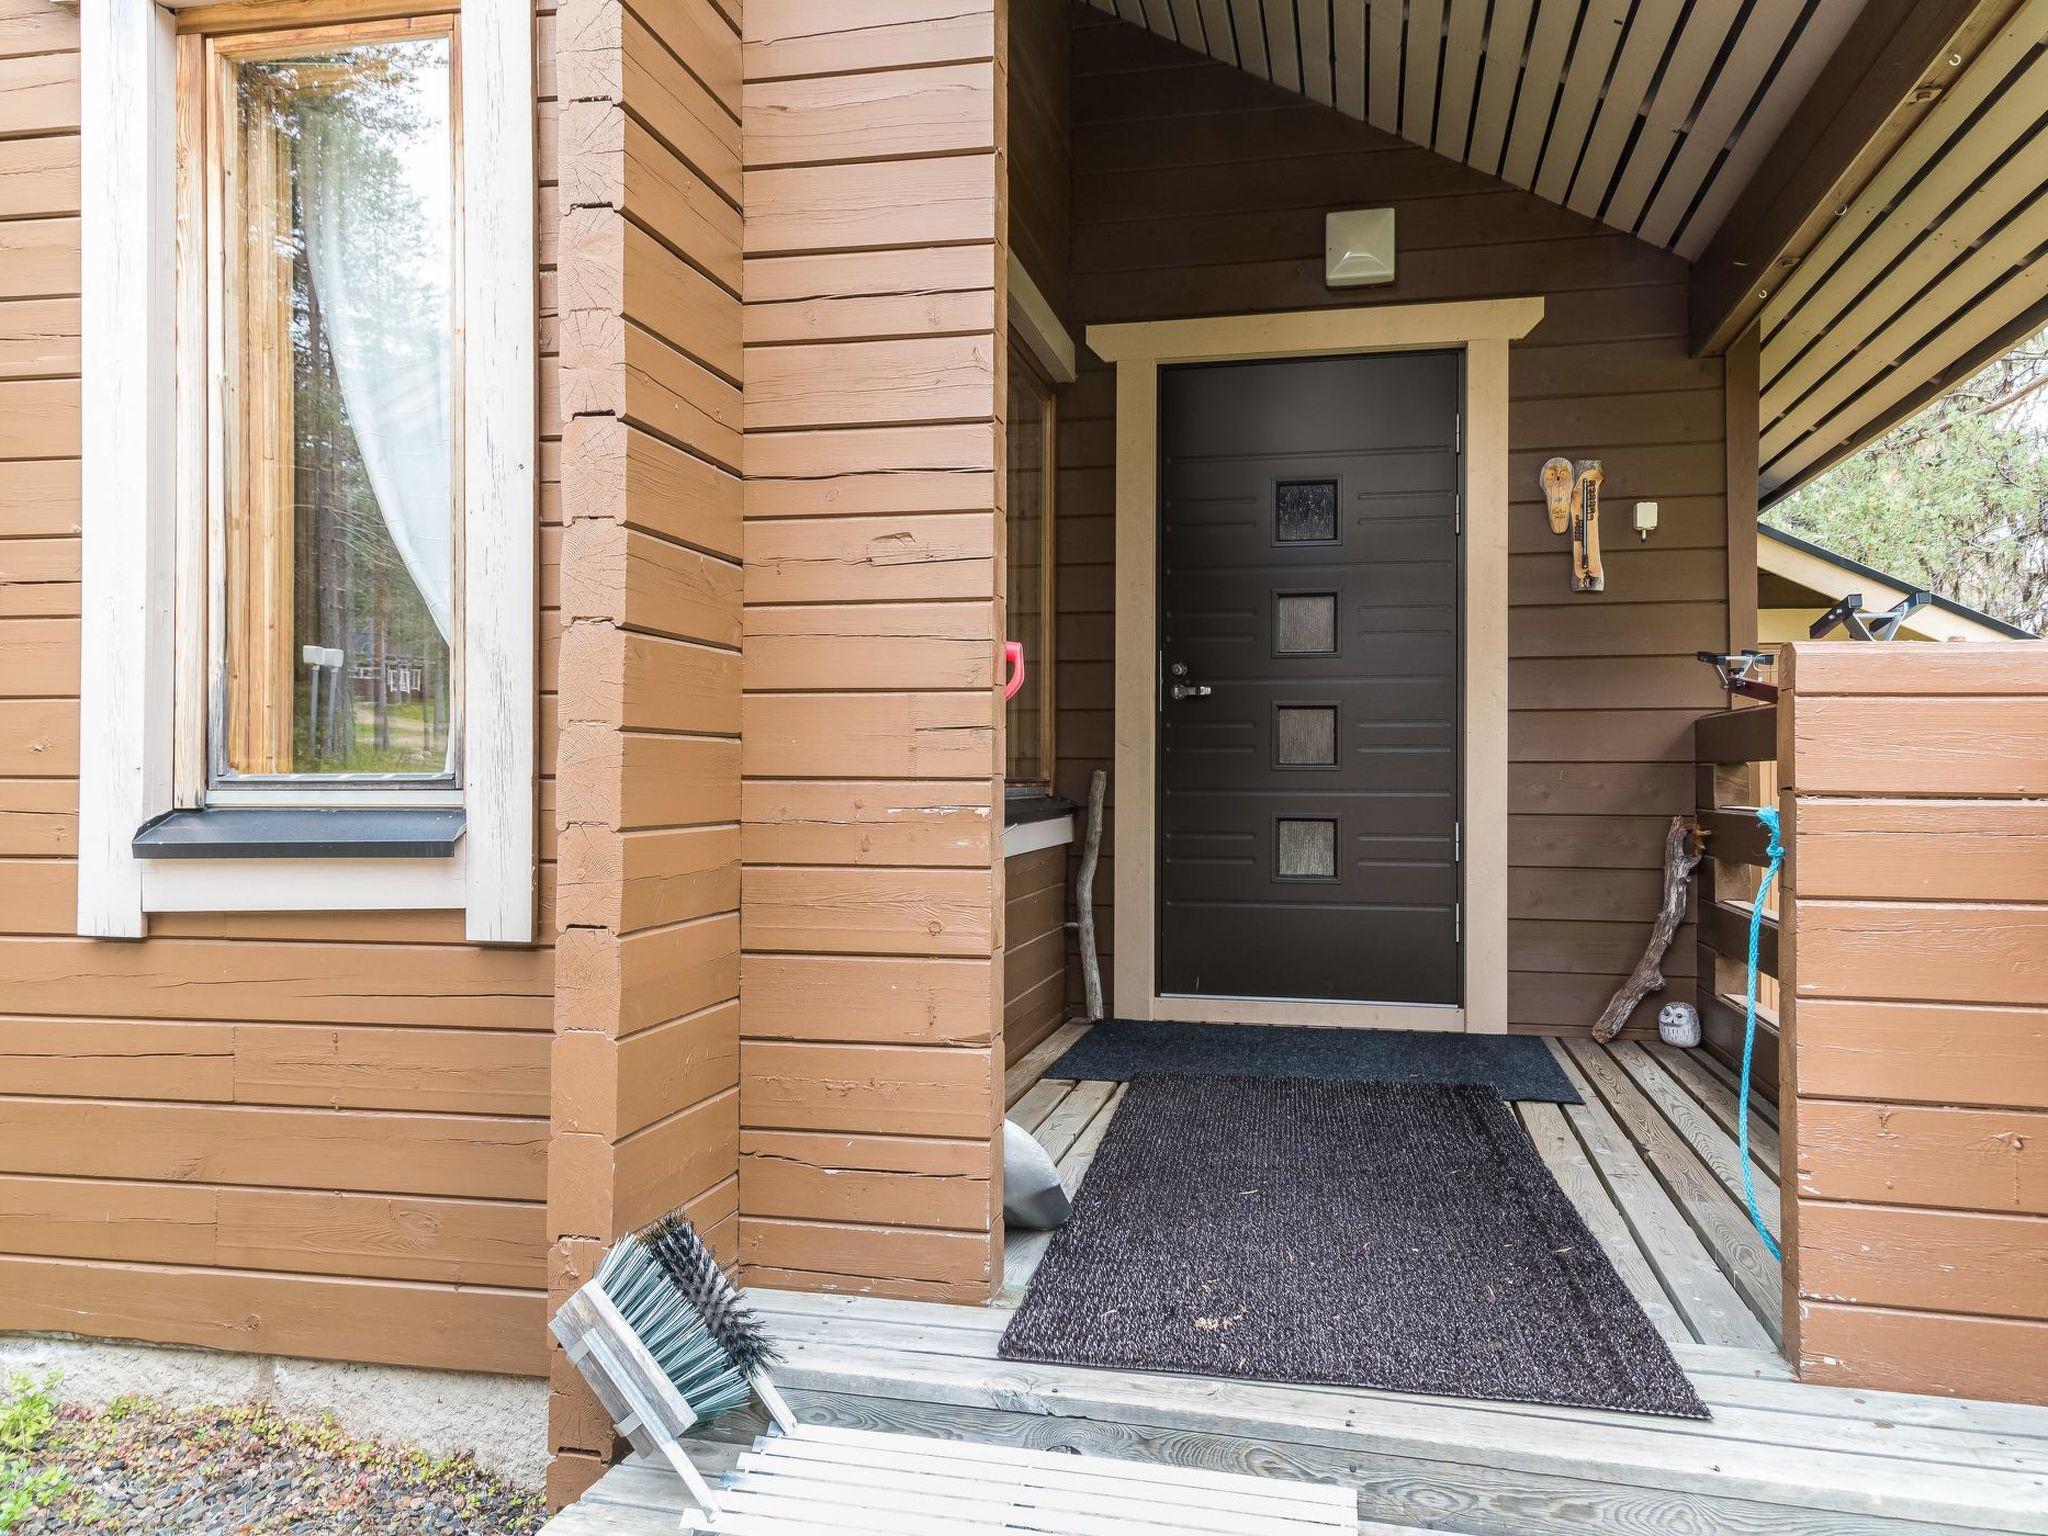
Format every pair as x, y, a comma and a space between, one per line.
696, 1272
653, 1279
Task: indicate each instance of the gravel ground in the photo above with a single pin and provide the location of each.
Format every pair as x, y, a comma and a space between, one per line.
139, 1466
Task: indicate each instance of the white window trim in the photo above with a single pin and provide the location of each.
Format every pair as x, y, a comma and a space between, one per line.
128, 512
1031, 836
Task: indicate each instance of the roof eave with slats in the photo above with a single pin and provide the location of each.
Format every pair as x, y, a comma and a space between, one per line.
1649, 115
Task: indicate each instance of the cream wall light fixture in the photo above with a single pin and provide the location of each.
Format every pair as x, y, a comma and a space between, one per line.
1358, 247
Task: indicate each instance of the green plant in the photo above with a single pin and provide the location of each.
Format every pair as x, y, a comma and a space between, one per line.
28, 1413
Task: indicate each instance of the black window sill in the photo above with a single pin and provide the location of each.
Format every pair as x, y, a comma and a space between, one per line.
302, 832
1024, 806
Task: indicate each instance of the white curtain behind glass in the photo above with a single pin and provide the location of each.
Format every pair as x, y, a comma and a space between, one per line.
391, 331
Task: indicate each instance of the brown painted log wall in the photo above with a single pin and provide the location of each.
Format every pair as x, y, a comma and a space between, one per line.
311, 1134
871, 1050
1915, 1075
1034, 956
646, 1047
1199, 190
1040, 158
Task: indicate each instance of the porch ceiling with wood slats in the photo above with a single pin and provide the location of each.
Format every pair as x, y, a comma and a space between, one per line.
1649, 115
1936, 264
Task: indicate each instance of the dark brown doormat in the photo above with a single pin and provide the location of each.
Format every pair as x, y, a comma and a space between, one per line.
1405, 1237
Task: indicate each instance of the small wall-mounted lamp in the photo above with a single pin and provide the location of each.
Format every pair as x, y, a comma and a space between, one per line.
1358, 247
1646, 519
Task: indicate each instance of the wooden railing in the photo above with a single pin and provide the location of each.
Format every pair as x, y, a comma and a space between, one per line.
1735, 759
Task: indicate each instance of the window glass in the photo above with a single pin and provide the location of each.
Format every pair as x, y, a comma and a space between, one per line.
1305, 511
338, 507
1029, 503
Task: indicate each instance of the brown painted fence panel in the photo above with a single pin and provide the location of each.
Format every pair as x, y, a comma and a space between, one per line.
1915, 950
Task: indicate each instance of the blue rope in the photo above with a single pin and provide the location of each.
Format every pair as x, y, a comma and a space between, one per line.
1768, 815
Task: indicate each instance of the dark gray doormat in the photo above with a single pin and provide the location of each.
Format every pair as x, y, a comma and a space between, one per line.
1513, 1066
1342, 1234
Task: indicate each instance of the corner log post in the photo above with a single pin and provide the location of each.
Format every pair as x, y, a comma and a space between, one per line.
1684, 844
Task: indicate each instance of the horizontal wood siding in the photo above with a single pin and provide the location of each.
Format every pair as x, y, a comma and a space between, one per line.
1041, 129
320, 1134
1035, 949
646, 1054
1914, 942
872, 886
1201, 191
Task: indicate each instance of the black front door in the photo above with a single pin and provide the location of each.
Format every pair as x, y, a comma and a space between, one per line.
1309, 679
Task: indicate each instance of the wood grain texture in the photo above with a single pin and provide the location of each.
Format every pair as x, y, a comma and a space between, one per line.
1914, 944
1952, 1261
475, 1328
2002, 1359
645, 1053
1035, 947
312, 1134
1924, 1155
1199, 191
872, 877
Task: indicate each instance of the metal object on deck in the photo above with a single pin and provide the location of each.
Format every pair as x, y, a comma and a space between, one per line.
1033, 1196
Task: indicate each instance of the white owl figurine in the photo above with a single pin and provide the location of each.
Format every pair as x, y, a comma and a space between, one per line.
1679, 1024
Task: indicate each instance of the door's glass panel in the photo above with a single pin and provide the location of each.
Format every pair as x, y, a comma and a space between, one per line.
339, 436
1305, 623
1305, 511
1305, 735
1307, 848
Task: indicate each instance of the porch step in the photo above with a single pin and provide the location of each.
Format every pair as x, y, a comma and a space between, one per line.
1778, 1457
643, 1498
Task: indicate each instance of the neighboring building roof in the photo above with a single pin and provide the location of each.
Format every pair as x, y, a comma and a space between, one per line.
1796, 573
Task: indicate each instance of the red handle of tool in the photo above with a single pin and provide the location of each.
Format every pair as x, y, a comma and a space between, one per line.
1013, 653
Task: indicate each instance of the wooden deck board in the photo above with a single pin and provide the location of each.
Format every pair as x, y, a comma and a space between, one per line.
1771, 1413
1654, 1181
1032, 1066
1717, 1097
1760, 1106
1721, 1223
1714, 1146
1696, 1284
1778, 1458
1568, 1164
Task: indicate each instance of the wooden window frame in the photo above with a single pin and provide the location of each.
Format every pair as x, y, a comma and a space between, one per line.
209, 478
143, 479
1040, 657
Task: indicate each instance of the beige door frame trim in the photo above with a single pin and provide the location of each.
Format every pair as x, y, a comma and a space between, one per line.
1481, 330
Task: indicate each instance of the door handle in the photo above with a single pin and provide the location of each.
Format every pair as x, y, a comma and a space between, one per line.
1189, 691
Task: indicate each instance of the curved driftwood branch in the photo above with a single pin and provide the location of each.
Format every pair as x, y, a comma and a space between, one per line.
1084, 894
1683, 845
